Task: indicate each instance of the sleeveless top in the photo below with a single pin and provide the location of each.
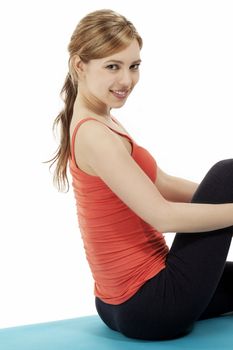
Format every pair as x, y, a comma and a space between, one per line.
123, 251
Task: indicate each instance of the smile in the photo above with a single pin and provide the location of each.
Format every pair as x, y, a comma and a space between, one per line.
119, 94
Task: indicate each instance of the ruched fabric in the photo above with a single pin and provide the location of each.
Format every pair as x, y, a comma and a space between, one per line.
123, 251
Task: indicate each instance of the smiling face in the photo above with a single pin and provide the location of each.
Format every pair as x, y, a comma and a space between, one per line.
107, 82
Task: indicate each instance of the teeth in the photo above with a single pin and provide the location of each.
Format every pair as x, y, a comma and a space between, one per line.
120, 92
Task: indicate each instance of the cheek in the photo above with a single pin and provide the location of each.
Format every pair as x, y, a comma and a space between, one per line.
103, 85
136, 79
100, 82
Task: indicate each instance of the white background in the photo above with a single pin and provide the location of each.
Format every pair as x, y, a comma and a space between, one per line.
181, 111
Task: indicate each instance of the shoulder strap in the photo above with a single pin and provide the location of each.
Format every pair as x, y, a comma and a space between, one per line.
75, 132
88, 118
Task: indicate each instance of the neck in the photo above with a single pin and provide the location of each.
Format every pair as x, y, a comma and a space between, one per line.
91, 105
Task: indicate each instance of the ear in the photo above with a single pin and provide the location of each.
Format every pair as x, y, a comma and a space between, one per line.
79, 66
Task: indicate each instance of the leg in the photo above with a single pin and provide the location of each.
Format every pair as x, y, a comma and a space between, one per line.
167, 305
196, 262
222, 300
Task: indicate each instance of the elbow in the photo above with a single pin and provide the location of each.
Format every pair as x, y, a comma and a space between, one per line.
164, 218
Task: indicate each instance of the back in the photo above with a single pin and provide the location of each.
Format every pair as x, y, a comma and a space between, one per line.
123, 250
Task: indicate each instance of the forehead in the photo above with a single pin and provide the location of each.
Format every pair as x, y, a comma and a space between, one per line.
130, 54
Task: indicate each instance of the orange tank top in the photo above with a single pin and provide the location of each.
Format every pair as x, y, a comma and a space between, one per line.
122, 250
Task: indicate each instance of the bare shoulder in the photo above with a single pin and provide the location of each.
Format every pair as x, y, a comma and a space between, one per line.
93, 135
91, 129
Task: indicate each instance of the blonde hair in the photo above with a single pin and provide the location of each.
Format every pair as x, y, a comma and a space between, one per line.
99, 34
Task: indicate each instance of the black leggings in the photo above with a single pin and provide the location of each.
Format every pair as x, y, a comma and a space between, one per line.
197, 282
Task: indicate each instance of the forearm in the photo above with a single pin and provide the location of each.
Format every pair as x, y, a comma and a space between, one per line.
175, 189
194, 217
180, 190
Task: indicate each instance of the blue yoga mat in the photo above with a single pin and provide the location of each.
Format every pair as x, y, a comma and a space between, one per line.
90, 333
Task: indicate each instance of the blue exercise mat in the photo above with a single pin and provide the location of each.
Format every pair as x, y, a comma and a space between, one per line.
90, 333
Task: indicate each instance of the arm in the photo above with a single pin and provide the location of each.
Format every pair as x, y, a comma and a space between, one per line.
107, 156
173, 188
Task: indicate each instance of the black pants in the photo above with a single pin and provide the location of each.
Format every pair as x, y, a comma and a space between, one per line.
197, 282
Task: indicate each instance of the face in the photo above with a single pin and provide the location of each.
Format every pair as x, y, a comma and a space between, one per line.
110, 80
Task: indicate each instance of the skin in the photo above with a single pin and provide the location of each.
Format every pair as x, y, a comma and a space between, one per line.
106, 154
120, 71
99, 77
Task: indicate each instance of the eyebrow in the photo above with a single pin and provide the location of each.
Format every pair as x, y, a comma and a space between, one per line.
121, 62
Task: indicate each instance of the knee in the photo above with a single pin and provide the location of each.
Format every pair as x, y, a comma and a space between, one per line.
221, 171
222, 164
217, 185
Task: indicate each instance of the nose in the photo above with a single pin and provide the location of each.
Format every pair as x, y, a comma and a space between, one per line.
125, 78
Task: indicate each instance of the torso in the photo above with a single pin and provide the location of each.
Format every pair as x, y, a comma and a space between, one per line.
80, 156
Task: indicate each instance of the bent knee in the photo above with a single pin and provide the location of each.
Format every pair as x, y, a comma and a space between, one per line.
216, 187
222, 164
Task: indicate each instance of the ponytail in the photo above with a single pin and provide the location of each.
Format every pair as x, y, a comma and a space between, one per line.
99, 34
68, 95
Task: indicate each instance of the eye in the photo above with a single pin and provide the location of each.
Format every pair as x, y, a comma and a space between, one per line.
112, 66
135, 66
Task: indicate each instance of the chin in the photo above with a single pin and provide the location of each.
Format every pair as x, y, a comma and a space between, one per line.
118, 105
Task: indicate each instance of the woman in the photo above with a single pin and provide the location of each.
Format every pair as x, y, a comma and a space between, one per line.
125, 202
